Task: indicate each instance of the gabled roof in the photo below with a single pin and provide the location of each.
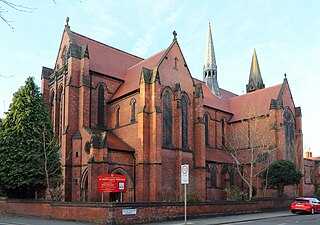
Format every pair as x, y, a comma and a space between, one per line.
132, 75
212, 101
115, 142
259, 100
105, 59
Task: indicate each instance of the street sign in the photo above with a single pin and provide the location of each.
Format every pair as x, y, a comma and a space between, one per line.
185, 174
111, 183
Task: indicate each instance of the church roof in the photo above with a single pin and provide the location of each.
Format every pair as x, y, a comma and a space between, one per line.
221, 103
115, 142
259, 100
106, 59
132, 75
220, 156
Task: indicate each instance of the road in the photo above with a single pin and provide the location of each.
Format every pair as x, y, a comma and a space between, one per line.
290, 220
11, 220
283, 219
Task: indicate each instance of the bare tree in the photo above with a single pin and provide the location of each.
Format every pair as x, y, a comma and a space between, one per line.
251, 142
51, 166
6, 6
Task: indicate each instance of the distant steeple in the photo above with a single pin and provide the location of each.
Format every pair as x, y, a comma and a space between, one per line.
210, 67
255, 79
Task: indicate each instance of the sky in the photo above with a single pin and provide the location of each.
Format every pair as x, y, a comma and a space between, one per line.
285, 34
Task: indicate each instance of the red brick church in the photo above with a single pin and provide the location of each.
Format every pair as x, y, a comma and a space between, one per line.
117, 113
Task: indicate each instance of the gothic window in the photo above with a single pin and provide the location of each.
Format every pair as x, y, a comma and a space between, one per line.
59, 114
133, 110
231, 177
213, 177
87, 147
64, 56
184, 113
223, 141
117, 110
100, 106
51, 105
206, 122
289, 132
166, 119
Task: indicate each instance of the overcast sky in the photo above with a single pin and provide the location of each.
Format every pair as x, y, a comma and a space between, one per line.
285, 34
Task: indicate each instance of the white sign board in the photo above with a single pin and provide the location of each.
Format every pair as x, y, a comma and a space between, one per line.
185, 174
129, 211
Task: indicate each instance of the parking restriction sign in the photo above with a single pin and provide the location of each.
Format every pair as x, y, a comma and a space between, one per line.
185, 174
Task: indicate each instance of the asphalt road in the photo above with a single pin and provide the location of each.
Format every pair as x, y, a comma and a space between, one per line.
11, 220
290, 220
282, 218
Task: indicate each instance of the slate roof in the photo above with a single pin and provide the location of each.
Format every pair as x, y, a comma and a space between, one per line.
132, 75
106, 59
221, 156
258, 100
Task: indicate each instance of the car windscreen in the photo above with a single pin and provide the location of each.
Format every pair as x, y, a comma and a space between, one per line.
301, 201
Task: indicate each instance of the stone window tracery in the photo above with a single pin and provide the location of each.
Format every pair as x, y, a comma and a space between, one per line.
184, 127
289, 133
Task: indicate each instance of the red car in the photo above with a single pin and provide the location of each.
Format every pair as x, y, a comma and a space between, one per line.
309, 205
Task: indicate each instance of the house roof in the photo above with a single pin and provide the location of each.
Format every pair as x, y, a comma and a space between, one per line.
106, 59
132, 75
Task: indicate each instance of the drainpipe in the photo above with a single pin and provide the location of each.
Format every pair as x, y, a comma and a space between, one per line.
134, 176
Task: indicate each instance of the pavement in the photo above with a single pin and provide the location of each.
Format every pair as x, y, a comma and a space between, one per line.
227, 219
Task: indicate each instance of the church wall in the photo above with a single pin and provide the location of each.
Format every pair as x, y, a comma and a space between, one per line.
110, 86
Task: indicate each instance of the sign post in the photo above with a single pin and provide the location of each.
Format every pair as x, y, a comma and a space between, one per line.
185, 181
111, 183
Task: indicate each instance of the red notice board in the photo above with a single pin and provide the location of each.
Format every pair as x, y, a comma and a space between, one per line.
112, 183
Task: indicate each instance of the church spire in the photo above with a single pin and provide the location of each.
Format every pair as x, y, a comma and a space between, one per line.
210, 67
255, 79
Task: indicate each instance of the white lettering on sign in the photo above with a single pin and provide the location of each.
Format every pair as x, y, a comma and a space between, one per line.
185, 174
129, 211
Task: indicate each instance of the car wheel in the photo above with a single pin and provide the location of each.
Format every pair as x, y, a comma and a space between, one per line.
312, 211
293, 211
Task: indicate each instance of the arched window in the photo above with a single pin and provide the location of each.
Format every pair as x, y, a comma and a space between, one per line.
117, 111
166, 119
100, 106
59, 114
184, 127
289, 133
133, 110
206, 124
223, 133
51, 104
213, 177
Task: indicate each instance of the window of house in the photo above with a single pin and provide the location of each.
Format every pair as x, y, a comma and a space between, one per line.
166, 119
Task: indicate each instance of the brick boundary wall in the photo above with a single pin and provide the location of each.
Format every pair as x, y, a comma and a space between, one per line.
112, 213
